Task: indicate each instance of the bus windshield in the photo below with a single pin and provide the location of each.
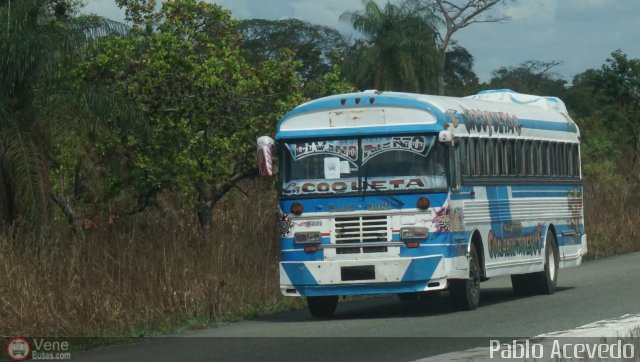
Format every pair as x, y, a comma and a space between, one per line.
394, 164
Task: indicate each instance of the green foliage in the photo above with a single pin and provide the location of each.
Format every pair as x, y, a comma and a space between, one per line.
398, 51
329, 84
531, 77
607, 106
459, 77
316, 47
203, 104
41, 41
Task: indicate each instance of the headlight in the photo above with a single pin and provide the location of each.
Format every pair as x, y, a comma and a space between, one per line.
312, 237
413, 233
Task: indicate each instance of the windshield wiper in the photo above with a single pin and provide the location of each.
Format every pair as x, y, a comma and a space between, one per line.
366, 184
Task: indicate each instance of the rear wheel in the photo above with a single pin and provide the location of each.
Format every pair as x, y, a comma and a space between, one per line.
546, 280
322, 307
543, 282
465, 293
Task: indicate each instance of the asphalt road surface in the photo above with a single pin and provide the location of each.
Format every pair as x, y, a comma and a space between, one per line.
382, 328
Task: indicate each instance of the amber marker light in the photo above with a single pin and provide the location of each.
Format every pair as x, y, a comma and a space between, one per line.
413, 244
297, 208
310, 249
423, 203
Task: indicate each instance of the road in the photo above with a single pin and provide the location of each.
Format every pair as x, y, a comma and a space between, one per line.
396, 331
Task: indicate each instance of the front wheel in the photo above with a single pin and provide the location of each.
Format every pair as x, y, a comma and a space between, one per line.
465, 293
322, 307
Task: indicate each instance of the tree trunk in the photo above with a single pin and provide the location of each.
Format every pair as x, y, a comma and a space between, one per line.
66, 208
7, 214
210, 197
442, 57
377, 80
205, 216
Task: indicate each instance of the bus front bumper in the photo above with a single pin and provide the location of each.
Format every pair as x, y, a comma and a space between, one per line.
360, 277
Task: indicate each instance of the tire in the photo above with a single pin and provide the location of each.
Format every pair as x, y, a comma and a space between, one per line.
322, 307
465, 293
408, 297
545, 281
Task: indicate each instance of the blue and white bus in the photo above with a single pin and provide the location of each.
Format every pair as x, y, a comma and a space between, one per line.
385, 192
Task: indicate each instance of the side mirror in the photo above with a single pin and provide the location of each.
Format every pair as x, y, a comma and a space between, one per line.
445, 137
265, 155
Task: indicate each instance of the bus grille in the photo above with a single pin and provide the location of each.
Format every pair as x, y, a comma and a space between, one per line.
361, 230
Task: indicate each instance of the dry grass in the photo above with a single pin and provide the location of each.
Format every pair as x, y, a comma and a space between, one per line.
157, 274
612, 214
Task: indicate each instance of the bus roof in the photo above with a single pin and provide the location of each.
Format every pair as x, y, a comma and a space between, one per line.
377, 113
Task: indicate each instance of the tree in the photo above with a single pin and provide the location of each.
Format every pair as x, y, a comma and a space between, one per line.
319, 50
42, 39
397, 51
458, 14
459, 77
615, 87
316, 47
203, 104
532, 77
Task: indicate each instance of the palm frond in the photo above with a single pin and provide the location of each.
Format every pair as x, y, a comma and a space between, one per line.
26, 170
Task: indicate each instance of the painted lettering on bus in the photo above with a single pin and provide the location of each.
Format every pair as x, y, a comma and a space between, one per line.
323, 187
523, 244
374, 146
345, 148
486, 121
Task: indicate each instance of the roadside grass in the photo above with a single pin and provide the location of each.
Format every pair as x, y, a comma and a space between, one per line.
612, 214
155, 273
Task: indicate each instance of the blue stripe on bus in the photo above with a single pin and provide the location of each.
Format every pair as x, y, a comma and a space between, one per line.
425, 250
420, 268
544, 191
544, 188
301, 255
499, 209
525, 194
299, 274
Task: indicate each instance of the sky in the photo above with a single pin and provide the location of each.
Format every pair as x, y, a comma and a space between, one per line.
580, 33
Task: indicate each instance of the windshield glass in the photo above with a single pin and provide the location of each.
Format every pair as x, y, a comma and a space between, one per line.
344, 166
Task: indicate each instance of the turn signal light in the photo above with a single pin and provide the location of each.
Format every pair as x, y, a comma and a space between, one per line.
413, 244
423, 203
310, 249
297, 208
